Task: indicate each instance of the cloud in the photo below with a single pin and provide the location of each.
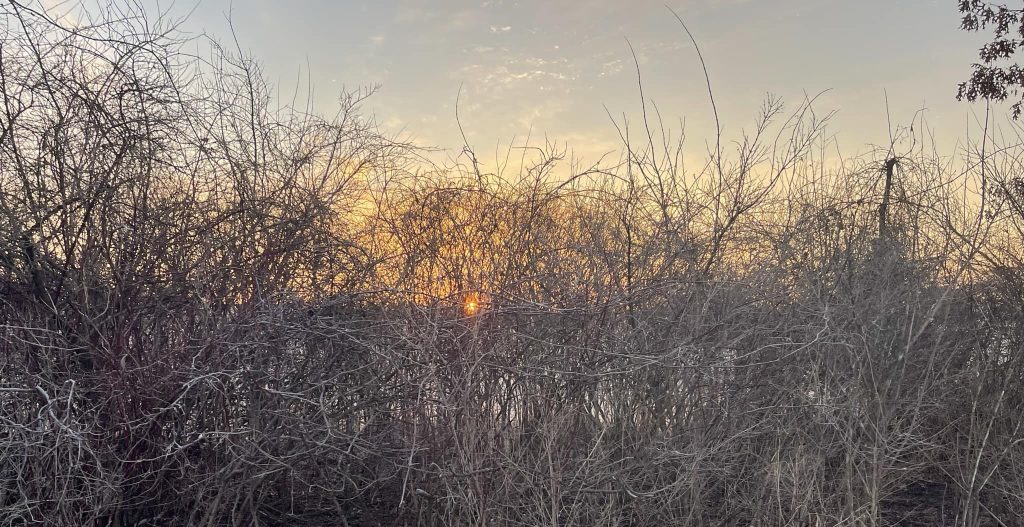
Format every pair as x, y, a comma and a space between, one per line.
501, 29
530, 73
611, 68
479, 49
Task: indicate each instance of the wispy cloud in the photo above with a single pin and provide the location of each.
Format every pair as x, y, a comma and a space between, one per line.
611, 67
525, 73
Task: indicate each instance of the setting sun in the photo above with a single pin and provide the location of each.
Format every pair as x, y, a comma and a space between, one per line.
471, 304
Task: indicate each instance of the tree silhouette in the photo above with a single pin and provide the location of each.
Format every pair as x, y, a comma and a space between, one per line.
993, 78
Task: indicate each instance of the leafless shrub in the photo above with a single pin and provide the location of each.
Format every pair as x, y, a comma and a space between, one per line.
214, 312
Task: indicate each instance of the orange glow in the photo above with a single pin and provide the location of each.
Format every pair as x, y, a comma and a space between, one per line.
471, 304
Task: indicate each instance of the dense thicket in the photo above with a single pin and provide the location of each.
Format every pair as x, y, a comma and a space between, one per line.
219, 310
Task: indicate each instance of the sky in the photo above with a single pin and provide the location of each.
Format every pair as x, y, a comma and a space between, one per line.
558, 69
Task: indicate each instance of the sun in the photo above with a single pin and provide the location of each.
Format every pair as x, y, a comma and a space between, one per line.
471, 304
